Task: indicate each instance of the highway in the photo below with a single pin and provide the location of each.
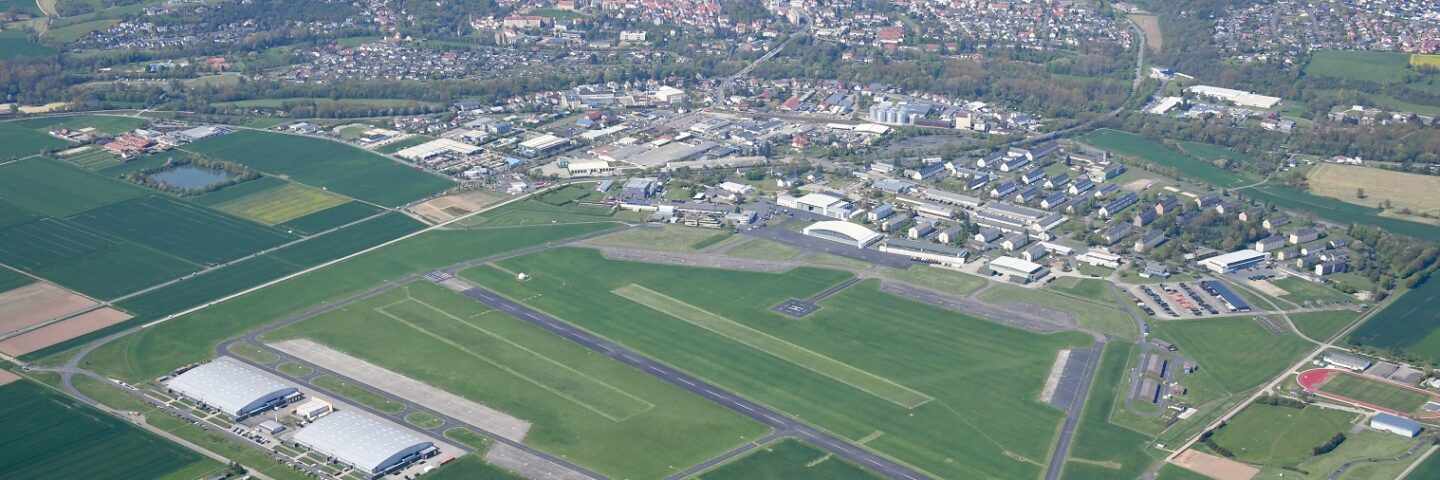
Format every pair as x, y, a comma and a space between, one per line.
779, 422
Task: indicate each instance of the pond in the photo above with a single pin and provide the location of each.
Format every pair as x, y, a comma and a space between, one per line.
190, 177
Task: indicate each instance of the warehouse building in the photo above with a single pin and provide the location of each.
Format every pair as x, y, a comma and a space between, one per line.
927, 252
843, 232
1396, 424
234, 388
543, 145
827, 205
366, 443
1234, 261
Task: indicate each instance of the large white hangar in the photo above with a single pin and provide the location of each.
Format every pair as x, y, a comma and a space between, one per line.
369, 444
234, 388
843, 232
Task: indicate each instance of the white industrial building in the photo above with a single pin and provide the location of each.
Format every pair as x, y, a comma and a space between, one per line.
820, 203
1017, 268
1346, 360
1396, 424
234, 388
1237, 97
944, 255
542, 145
369, 444
436, 147
1233, 261
843, 232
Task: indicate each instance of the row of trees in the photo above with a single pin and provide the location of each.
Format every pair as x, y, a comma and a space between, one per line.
235, 174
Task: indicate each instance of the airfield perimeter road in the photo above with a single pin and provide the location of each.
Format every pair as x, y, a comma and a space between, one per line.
762, 414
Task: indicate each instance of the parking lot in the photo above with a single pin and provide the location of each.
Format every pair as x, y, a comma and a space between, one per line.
1178, 300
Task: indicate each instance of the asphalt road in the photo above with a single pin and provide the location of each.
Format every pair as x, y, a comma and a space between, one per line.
1072, 413
777, 421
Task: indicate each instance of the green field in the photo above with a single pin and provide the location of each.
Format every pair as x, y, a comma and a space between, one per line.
185, 230
16, 43
1322, 325
159, 349
391, 148
117, 271
1237, 350
1379, 67
1301, 290
10, 280
45, 242
1101, 449
46, 435
781, 349
1361, 445
965, 432
11, 214
674, 238
1132, 145
1082, 287
330, 218
1429, 469
323, 163
1374, 392
1172, 472
592, 410
471, 467
1278, 435
1411, 323
352, 239
233, 193
212, 285
535, 212
104, 124
1211, 153
54, 188
282, 204
787, 459
327, 103
1337, 210
358, 394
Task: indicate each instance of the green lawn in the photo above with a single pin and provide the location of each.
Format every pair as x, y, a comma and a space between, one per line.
1302, 290
159, 349
1278, 435
103, 123
294, 369
1211, 153
358, 394
762, 249
1322, 325
965, 432
1098, 440
47, 435
1358, 446
592, 410
1429, 469
424, 420
1172, 472
534, 212
941, 279
323, 163
1379, 67
1374, 392
1082, 287
1239, 351
787, 459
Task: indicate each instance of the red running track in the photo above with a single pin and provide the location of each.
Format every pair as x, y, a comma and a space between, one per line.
1313, 378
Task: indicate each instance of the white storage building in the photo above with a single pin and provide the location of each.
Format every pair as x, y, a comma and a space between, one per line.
1396, 424
843, 232
1237, 260
234, 388
369, 444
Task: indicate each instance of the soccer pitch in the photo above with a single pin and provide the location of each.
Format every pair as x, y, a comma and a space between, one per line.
1373, 392
590, 409
800, 356
984, 378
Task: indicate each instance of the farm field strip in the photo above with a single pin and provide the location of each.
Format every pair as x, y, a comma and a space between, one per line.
58, 189
1410, 323
181, 229
282, 204
20, 141
46, 242
544, 372
800, 356
330, 218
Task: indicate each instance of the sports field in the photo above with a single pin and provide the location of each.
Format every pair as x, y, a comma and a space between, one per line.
156, 350
17, 141
1377, 393
46, 435
282, 204
1132, 145
1417, 192
1237, 350
54, 188
182, 229
1000, 431
787, 459
323, 163
1411, 323
781, 349
1278, 435
592, 410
